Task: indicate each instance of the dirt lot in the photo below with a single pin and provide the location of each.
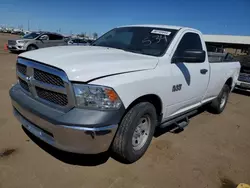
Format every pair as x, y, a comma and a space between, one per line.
213, 151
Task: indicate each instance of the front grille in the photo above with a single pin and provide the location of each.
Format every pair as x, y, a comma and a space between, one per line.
21, 68
45, 84
57, 98
24, 85
48, 78
11, 42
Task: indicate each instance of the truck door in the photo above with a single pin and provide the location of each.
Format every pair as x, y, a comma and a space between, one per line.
190, 80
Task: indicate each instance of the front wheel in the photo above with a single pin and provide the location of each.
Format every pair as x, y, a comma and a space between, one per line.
218, 105
31, 47
135, 132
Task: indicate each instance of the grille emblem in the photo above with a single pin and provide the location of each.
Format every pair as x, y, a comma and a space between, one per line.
28, 80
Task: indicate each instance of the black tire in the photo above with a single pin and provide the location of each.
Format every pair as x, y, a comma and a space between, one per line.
122, 146
31, 47
216, 106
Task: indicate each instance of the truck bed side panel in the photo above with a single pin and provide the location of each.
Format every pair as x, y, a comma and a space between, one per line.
219, 74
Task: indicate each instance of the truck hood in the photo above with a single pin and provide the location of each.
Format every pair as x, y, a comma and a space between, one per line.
84, 63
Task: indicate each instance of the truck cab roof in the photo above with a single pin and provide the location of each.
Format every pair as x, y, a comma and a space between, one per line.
159, 26
164, 27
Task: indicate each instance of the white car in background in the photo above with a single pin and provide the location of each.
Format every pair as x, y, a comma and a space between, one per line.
36, 40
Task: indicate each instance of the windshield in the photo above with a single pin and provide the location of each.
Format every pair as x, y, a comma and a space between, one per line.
143, 40
31, 35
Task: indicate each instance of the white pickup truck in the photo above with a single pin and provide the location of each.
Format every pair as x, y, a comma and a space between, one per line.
113, 94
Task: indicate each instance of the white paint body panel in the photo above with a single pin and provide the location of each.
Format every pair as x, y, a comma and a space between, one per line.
141, 74
83, 63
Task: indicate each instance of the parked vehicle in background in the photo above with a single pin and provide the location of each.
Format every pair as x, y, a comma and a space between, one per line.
36, 40
7, 30
78, 42
90, 41
17, 31
115, 93
27, 32
244, 78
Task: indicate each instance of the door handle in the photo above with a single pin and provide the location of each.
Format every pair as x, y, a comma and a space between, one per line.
203, 71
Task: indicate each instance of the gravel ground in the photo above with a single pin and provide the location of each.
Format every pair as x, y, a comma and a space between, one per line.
213, 151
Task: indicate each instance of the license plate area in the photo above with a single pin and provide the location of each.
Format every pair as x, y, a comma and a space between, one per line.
11, 47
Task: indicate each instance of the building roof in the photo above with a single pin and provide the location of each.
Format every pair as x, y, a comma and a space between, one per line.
227, 39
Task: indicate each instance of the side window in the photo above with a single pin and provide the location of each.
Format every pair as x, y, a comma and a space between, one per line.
189, 41
229, 58
44, 37
55, 37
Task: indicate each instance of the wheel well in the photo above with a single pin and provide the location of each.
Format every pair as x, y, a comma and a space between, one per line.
229, 82
32, 45
153, 99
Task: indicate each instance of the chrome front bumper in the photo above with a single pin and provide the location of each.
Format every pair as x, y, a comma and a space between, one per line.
68, 138
76, 130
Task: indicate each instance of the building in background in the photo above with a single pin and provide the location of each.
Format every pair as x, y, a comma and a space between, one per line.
236, 45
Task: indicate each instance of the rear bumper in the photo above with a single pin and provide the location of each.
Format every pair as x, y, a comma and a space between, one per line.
61, 130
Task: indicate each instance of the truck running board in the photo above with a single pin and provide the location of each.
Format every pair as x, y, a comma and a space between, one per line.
181, 121
182, 124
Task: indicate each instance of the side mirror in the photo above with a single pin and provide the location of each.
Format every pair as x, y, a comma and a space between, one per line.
44, 37
191, 56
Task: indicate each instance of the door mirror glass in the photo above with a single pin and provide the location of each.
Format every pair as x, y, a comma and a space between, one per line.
44, 37
191, 56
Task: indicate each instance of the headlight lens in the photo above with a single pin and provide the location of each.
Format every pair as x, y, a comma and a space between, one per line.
96, 97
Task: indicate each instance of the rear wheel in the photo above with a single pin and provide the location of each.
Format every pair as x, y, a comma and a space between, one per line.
135, 133
218, 105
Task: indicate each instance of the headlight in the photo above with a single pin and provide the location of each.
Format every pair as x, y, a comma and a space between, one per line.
96, 97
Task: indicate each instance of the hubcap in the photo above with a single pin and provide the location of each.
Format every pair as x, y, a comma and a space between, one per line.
141, 133
223, 100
